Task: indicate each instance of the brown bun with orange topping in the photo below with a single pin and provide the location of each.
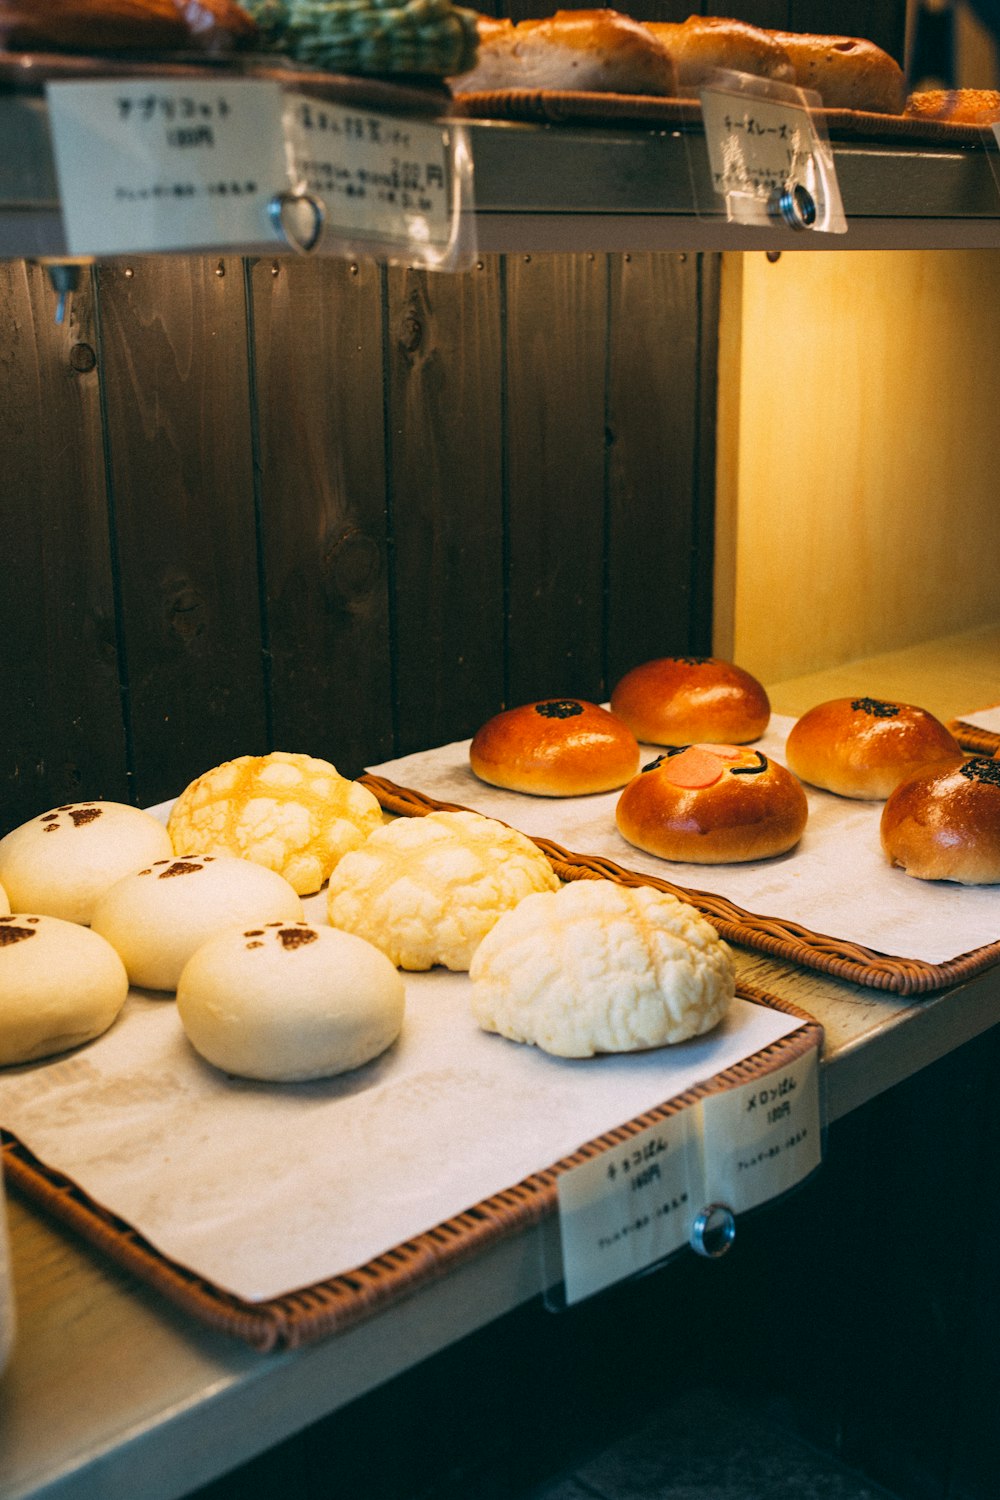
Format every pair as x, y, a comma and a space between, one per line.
713, 804
864, 747
944, 823
687, 700
559, 747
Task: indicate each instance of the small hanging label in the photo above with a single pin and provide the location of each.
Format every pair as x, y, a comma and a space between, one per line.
629, 1207
762, 1138
385, 181
167, 164
769, 159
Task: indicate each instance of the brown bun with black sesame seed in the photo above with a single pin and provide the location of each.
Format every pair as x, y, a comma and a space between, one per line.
943, 823
687, 700
558, 747
864, 747
713, 804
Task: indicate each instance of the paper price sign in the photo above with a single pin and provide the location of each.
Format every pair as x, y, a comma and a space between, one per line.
767, 159
163, 164
762, 1138
629, 1207
382, 179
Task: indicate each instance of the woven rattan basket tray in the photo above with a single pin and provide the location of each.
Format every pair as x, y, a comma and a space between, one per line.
972, 737
328, 1307
774, 936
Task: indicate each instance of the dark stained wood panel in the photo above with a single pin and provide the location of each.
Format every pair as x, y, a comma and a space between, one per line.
446, 494
61, 732
174, 350
653, 425
321, 459
556, 382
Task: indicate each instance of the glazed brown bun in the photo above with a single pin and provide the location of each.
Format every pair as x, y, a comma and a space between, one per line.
959, 106
598, 51
560, 747
944, 823
703, 43
864, 747
687, 700
846, 71
124, 25
713, 804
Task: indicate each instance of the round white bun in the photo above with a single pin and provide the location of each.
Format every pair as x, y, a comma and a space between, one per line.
156, 917
60, 985
60, 863
289, 1001
601, 967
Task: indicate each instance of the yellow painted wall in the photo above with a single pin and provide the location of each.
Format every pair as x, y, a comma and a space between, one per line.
859, 454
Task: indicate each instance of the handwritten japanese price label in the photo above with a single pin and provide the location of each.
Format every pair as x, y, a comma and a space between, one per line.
629, 1207
165, 164
382, 179
762, 1138
761, 148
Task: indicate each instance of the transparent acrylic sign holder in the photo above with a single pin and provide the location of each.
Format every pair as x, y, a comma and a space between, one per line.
765, 158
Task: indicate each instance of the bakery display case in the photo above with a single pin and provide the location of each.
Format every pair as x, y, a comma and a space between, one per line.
346, 505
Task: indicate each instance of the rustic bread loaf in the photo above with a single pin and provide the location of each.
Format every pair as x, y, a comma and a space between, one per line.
100, 26
959, 106
701, 44
847, 72
597, 51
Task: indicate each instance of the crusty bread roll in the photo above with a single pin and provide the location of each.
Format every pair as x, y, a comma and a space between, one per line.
289, 1001
943, 823
864, 747
560, 747
60, 985
597, 51
62, 862
703, 43
846, 71
599, 967
683, 700
156, 917
959, 106
713, 804
97, 26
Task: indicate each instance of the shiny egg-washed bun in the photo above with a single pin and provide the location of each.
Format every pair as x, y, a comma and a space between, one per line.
685, 700
713, 804
944, 823
864, 747
559, 747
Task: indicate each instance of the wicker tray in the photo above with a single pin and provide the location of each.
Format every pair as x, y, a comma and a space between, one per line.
972, 737
567, 107
328, 1307
771, 935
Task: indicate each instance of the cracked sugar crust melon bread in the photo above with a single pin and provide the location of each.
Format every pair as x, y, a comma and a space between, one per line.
295, 814
598, 967
60, 985
426, 890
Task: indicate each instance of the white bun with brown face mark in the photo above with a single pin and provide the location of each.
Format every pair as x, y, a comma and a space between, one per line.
713, 804
689, 700
943, 823
558, 747
864, 747
60, 985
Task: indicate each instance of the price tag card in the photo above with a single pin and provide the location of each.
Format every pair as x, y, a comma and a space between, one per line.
629, 1207
760, 1139
164, 164
769, 159
385, 182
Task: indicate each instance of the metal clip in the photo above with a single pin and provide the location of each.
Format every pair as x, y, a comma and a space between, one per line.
713, 1231
299, 219
795, 205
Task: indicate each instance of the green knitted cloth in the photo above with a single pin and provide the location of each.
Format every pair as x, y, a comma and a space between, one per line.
431, 37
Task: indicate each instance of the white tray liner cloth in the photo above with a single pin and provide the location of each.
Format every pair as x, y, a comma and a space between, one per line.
986, 718
263, 1188
837, 882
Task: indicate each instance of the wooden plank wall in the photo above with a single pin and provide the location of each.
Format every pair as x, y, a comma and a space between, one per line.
323, 506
